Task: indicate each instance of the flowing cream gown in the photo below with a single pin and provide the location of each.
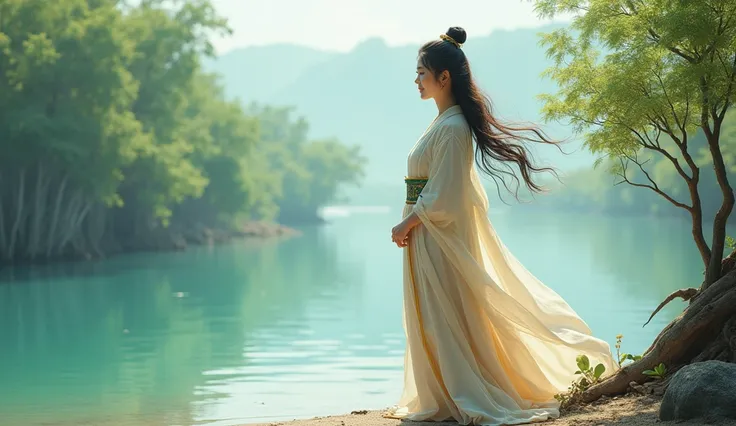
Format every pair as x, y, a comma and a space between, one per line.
487, 343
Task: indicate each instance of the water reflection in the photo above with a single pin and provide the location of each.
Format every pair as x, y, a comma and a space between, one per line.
613, 270
130, 338
301, 327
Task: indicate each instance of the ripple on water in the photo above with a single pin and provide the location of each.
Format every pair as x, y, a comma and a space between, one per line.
255, 341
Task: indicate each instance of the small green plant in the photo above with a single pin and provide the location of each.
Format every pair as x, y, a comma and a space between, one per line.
623, 357
658, 372
565, 399
730, 243
629, 357
589, 376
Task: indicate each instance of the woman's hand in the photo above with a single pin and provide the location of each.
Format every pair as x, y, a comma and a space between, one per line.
400, 232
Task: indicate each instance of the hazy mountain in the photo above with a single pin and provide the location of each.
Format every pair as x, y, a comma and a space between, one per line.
258, 73
367, 96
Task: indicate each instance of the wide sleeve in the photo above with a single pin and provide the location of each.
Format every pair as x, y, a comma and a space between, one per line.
445, 197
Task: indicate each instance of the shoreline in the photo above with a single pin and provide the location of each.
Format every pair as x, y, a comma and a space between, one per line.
627, 410
172, 240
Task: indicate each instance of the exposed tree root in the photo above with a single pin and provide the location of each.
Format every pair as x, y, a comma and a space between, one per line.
705, 330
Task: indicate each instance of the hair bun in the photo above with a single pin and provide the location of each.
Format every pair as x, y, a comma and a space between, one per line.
458, 34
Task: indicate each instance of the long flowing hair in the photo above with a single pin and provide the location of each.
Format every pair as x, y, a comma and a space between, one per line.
498, 145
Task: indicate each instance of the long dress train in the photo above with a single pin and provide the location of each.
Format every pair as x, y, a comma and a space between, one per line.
487, 342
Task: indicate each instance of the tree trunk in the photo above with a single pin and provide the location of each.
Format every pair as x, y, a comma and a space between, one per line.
74, 203
713, 136
703, 331
18, 215
38, 214
3, 240
713, 272
96, 225
696, 216
51, 237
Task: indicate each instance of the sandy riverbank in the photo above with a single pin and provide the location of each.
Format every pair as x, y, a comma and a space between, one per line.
629, 410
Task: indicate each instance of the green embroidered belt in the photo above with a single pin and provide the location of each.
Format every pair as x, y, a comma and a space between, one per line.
414, 187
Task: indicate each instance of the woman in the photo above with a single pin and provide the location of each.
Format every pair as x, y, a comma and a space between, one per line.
487, 343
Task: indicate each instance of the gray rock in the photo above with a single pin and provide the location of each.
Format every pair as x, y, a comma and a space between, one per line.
701, 390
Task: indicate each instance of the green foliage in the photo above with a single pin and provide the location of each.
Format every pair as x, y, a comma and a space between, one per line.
66, 91
648, 85
658, 372
730, 243
628, 357
588, 377
596, 190
310, 172
110, 130
589, 374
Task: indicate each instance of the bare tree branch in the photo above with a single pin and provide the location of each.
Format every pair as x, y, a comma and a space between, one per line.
652, 185
662, 124
646, 142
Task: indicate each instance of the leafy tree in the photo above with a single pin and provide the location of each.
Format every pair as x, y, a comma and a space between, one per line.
310, 172
667, 73
232, 187
110, 133
658, 83
66, 131
169, 45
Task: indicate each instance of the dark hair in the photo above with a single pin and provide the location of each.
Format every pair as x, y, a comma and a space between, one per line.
497, 144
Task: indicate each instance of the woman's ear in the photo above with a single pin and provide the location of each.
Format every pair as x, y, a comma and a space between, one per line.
445, 77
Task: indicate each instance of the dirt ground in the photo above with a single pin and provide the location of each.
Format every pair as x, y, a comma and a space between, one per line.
624, 411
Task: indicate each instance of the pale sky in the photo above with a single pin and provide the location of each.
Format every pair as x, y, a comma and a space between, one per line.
341, 24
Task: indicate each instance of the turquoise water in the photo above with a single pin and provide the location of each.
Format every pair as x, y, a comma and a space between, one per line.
253, 332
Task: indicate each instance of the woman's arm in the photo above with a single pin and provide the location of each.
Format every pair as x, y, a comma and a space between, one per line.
412, 220
444, 198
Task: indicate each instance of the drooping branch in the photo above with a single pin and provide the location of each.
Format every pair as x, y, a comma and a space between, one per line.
652, 185
645, 141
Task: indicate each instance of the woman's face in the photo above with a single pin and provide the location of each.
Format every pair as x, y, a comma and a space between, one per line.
426, 82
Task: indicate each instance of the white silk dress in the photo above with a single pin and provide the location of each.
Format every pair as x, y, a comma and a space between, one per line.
487, 342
